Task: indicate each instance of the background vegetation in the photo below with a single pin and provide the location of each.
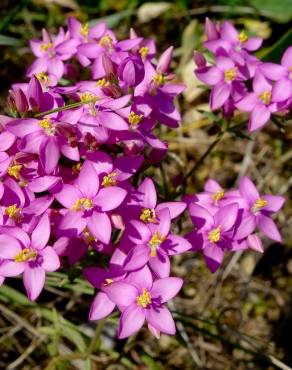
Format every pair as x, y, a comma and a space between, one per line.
238, 318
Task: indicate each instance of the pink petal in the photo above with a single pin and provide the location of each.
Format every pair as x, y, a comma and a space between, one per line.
41, 234
160, 264
166, 289
138, 232
23, 126
219, 94
34, 281
100, 226
49, 154
282, 90
161, 319
267, 227
275, 202
121, 293
175, 244
9, 246
248, 190
112, 121
51, 261
132, 319
137, 258
213, 256
101, 307
259, 117
287, 57
209, 75
201, 218
255, 243
68, 196
72, 224
11, 268
226, 216
110, 198
175, 208
147, 193
247, 103
140, 279
273, 71
88, 181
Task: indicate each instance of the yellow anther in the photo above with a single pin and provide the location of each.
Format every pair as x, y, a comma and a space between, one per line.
134, 119
290, 72
106, 41
14, 170
82, 204
259, 204
45, 47
25, 255
218, 196
144, 299
109, 180
107, 282
84, 30
159, 79
144, 52
214, 235
230, 74
23, 183
148, 215
43, 78
102, 82
13, 212
155, 242
88, 98
266, 97
47, 126
76, 168
242, 37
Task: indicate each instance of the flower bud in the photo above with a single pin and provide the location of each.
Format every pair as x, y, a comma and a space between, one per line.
165, 60
199, 59
131, 71
210, 30
108, 66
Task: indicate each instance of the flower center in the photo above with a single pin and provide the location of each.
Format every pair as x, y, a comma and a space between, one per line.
88, 98
134, 119
259, 204
13, 212
144, 299
47, 126
266, 97
102, 82
88, 237
218, 196
242, 37
159, 79
82, 204
107, 282
25, 255
14, 170
84, 29
109, 180
148, 215
155, 243
230, 74
46, 47
76, 168
214, 235
106, 41
144, 52
43, 78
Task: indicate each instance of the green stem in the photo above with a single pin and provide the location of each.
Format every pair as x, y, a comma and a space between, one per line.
59, 109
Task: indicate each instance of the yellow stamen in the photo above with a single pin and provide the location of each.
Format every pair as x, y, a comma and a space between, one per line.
148, 215
144, 299
13, 212
82, 204
76, 168
43, 78
134, 119
106, 41
155, 243
14, 170
102, 82
144, 52
25, 255
214, 235
290, 72
242, 37
109, 180
218, 196
45, 47
84, 30
259, 204
88, 98
230, 74
159, 79
107, 282
266, 97
47, 126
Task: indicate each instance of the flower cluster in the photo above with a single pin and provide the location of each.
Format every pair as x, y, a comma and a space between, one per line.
71, 190
234, 69
228, 221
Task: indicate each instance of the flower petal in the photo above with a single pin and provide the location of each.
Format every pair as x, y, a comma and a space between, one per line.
34, 281
268, 227
110, 198
88, 181
121, 293
166, 289
41, 234
132, 319
101, 307
213, 256
100, 226
51, 261
161, 319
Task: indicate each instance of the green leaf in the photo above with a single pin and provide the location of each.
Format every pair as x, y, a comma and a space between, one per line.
15, 297
280, 11
9, 41
73, 335
151, 363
